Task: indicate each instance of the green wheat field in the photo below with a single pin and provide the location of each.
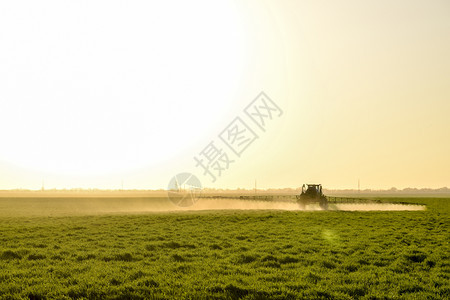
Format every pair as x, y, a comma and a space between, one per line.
64, 249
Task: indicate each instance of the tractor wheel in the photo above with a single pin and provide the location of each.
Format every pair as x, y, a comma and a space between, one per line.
301, 204
323, 204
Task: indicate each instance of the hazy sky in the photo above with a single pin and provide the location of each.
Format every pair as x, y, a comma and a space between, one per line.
96, 92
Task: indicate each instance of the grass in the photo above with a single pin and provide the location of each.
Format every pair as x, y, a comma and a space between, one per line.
226, 254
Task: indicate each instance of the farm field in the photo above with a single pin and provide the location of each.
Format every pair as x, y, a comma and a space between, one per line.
76, 249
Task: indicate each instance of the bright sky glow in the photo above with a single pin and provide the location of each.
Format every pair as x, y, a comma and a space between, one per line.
91, 87
96, 92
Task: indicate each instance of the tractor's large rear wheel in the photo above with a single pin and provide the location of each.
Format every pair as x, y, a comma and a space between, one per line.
301, 204
323, 203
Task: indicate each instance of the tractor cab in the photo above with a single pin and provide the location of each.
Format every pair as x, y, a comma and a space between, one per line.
312, 189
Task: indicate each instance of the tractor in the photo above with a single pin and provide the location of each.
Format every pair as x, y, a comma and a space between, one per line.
312, 193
